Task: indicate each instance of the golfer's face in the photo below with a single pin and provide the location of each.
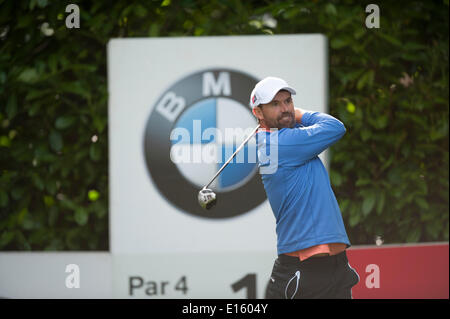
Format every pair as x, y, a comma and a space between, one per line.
279, 113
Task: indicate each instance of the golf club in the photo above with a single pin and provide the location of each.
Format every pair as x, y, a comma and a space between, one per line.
206, 197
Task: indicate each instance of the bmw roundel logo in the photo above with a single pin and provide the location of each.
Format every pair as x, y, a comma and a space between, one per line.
194, 127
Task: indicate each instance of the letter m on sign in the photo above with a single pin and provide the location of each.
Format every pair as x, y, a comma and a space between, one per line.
215, 87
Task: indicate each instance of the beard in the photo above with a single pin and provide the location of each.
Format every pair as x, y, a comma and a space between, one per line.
285, 120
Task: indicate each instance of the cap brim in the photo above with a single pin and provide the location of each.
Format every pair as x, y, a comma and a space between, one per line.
287, 88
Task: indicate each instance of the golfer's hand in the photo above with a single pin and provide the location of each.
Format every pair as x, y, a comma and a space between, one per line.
298, 115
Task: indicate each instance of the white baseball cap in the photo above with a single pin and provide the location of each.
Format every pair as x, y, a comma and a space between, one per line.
266, 89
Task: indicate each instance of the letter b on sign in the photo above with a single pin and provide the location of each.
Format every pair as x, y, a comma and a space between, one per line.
73, 280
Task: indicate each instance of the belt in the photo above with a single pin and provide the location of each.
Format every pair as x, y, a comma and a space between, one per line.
320, 255
283, 258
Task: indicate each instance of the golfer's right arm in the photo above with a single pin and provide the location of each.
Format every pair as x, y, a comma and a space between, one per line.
318, 132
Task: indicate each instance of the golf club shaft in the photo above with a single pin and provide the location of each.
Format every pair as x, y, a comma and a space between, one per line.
232, 156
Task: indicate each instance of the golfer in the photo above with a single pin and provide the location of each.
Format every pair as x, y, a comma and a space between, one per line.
311, 236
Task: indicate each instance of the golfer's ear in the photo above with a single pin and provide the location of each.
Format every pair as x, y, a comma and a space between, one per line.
257, 112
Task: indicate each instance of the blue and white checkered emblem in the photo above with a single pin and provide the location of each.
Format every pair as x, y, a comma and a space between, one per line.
195, 126
216, 129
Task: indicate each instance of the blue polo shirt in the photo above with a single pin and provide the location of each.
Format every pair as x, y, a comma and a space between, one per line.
298, 188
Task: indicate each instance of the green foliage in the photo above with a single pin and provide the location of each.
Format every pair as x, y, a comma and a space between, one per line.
53, 101
389, 86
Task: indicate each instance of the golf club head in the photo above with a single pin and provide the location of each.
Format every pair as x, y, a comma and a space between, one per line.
207, 198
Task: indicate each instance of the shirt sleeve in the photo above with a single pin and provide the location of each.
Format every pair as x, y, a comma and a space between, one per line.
316, 132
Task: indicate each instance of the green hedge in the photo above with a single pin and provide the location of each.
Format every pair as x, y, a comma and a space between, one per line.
389, 86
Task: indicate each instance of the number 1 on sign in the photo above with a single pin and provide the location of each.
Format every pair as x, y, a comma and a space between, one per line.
249, 282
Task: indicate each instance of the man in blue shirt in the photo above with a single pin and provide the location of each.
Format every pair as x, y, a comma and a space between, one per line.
311, 236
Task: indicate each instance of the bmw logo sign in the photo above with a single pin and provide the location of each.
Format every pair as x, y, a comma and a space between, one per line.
194, 127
